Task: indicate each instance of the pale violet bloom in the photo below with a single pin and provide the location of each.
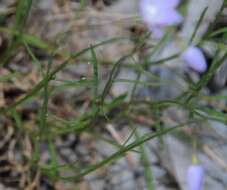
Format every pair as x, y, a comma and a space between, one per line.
195, 177
160, 13
167, 3
194, 58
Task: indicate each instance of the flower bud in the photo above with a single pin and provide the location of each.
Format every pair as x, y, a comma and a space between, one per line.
195, 59
195, 177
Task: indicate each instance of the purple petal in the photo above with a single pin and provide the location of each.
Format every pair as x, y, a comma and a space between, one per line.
195, 59
157, 32
166, 3
148, 11
167, 17
195, 177
159, 13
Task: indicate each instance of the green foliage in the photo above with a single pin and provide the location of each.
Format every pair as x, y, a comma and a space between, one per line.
103, 107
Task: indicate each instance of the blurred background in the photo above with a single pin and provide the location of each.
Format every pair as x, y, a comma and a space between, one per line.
67, 104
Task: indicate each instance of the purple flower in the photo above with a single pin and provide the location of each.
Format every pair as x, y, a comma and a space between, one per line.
195, 177
195, 59
167, 3
160, 13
